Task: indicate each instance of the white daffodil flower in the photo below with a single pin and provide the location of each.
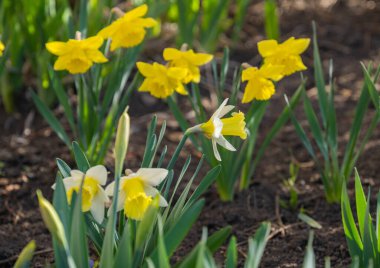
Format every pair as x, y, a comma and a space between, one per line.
94, 197
217, 127
136, 191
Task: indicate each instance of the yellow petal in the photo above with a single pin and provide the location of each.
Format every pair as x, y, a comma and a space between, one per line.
274, 72
297, 46
57, 48
267, 47
96, 56
145, 86
93, 42
145, 69
171, 54
136, 12
200, 58
110, 29
61, 63
146, 22
248, 73
181, 89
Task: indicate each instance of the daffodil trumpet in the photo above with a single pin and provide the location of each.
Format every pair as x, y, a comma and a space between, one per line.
217, 127
137, 191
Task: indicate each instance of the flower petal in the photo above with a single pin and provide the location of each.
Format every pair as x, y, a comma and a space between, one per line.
136, 12
171, 54
267, 47
151, 191
152, 176
225, 144
57, 48
145, 69
215, 149
120, 203
221, 107
97, 208
71, 182
226, 109
93, 42
98, 173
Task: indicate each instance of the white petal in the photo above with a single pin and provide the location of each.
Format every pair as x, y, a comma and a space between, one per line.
226, 109
152, 176
71, 182
215, 149
110, 188
217, 112
224, 143
218, 126
151, 191
103, 194
76, 173
97, 208
98, 173
120, 203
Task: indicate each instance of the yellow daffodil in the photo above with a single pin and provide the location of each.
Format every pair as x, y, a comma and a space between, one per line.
161, 81
187, 60
217, 127
94, 197
129, 30
136, 191
286, 54
2, 47
77, 56
260, 85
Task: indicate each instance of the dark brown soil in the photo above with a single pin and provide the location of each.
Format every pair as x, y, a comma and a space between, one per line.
348, 33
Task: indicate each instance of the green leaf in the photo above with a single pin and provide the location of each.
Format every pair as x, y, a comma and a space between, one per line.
309, 220
369, 244
257, 246
51, 119
316, 129
124, 256
175, 235
205, 184
309, 260
319, 78
26, 255
354, 242
78, 238
62, 97
163, 258
232, 258
80, 158
272, 30
63, 168
361, 204
217, 239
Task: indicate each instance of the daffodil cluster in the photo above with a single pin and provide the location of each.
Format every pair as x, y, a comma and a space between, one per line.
136, 191
279, 60
78, 55
161, 81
